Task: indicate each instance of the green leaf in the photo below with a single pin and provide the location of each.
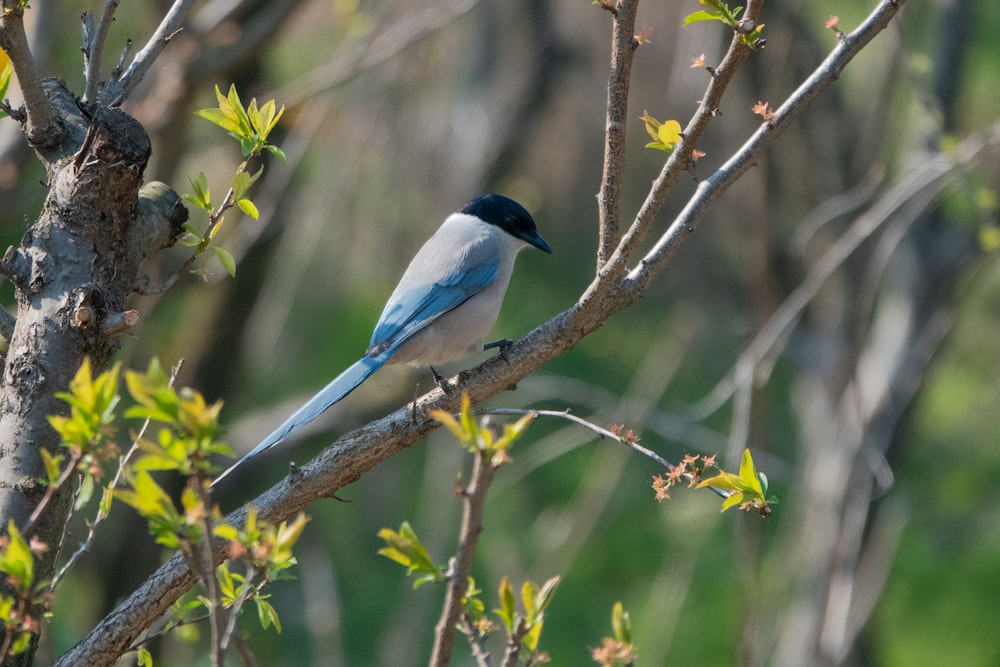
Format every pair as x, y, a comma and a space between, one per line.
545, 595
219, 117
243, 180
621, 623
143, 657
406, 549
528, 599
531, 638
237, 108
506, 610
726, 480
276, 152
85, 493
702, 15
21, 644
17, 559
107, 496
226, 259
5, 76
734, 500
267, 615
201, 198
249, 208
748, 473
52, 463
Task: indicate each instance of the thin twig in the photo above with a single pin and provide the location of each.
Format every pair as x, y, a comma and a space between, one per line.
681, 159
119, 89
50, 491
473, 506
475, 638
211, 582
629, 440
215, 220
95, 48
710, 189
631, 443
234, 611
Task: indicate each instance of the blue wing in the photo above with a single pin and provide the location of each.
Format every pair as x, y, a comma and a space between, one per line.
408, 311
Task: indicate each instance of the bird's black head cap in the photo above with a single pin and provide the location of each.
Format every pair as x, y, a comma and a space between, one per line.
509, 216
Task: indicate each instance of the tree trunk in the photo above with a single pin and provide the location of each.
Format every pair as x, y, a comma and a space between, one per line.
72, 272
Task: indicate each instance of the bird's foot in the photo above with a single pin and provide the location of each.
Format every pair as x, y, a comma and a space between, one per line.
502, 345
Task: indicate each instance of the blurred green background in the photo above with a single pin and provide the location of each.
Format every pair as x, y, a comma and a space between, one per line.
875, 417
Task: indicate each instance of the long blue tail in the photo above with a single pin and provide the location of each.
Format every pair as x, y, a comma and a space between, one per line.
340, 387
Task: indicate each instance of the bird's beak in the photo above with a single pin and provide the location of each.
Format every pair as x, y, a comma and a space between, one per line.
537, 241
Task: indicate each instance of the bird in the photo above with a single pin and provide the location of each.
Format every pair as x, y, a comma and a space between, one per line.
444, 306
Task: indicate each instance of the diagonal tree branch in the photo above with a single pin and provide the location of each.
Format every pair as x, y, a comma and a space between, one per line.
849, 45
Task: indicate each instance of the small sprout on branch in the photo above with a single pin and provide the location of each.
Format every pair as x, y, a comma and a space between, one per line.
524, 630
480, 436
764, 110
84, 432
747, 29
690, 469
249, 125
665, 135
607, 6
628, 437
405, 548
832, 23
749, 487
619, 649
644, 35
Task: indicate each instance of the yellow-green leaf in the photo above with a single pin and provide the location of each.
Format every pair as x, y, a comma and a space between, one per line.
669, 133
506, 610
702, 15
621, 623
226, 259
249, 208
748, 473
17, 559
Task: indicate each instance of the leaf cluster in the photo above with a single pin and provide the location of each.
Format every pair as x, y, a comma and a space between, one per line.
749, 487
480, 436
619, 648
184, 443
251, 126
18, 610
749, 32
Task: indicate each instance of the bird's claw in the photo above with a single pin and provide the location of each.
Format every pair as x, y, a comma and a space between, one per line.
501, 345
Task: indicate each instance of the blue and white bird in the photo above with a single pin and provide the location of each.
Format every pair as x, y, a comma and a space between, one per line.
443, 307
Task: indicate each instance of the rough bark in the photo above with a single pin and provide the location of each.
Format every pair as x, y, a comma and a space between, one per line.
72, 272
